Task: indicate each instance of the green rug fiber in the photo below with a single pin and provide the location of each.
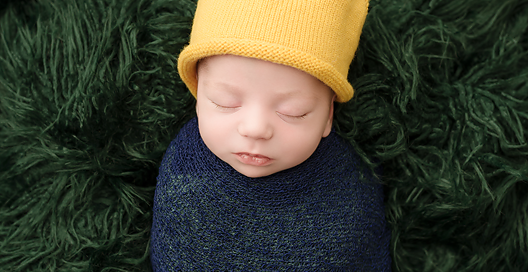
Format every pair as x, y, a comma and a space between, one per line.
90, 99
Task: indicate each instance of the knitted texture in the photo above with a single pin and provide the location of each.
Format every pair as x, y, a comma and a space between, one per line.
319, 37
323, 214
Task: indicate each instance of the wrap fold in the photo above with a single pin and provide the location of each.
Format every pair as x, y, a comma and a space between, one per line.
325, 214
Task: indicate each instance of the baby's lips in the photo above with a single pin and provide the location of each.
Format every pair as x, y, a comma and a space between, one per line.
253, 159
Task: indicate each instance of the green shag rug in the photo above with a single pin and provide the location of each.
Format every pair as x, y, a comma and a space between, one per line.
90, 99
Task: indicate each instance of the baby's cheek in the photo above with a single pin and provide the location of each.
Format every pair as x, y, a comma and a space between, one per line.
215, 134
206, 128
300, 149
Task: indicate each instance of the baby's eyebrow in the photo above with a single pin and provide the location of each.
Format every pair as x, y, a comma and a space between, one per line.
298, 94
224, 86
292, 93
234, 90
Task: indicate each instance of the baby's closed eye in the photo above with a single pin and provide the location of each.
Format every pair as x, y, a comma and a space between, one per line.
292, 117
226, 107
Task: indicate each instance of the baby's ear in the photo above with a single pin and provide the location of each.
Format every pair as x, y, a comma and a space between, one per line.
328, 127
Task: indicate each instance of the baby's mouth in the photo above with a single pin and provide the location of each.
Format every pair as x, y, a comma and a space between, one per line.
253, 159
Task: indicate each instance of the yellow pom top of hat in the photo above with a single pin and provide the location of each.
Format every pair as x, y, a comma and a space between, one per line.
319, 37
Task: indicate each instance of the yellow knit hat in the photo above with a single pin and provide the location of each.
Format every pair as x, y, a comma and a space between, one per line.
319, 37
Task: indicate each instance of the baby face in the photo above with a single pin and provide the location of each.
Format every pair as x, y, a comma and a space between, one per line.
261, 117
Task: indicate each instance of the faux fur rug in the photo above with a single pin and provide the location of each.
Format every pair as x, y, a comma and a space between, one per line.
90, 99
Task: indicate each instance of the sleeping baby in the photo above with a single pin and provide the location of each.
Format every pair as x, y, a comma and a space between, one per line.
259, 180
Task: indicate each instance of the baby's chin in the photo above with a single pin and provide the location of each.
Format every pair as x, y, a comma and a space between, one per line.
256, 171
252, 171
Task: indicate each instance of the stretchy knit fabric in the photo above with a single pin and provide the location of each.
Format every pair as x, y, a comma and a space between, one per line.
321, 215
319, 37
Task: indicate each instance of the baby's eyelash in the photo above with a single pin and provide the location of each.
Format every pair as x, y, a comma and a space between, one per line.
294, 116
218, 106
222, 107
299, 116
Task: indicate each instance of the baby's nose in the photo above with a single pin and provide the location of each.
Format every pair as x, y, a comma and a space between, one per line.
256, 126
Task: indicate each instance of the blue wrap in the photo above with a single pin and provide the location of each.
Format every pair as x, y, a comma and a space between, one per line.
324, 214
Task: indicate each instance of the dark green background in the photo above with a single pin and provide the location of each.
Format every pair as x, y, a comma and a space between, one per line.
90, 99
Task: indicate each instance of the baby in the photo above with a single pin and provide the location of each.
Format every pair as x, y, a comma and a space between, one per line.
261, 117
259, 181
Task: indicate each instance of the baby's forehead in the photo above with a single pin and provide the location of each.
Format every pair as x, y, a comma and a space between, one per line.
315, 95
304, 85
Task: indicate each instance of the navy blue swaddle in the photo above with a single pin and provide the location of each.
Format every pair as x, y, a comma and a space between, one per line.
320, 215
